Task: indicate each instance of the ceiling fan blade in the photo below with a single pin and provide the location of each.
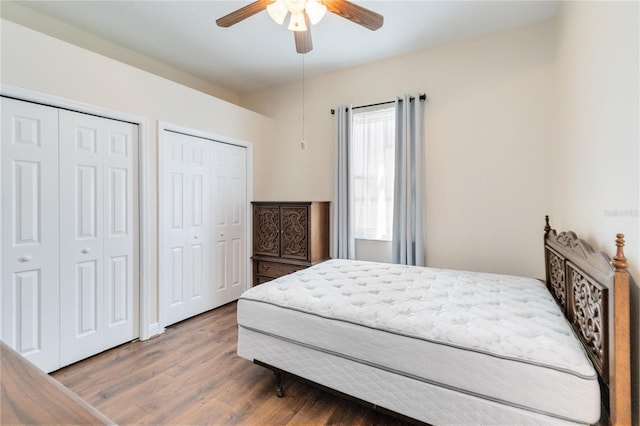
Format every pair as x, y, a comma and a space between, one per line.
358, 14
243, 13
303, 38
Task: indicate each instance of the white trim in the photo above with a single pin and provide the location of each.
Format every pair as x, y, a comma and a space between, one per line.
161, 220
155, 329
162, 127
145, 330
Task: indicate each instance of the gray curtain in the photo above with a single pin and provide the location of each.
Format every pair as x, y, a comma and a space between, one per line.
407, 244
343, 241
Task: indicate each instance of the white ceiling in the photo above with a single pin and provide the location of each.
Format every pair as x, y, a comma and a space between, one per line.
257, 53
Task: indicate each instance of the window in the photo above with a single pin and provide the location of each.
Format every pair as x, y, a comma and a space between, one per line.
373, 157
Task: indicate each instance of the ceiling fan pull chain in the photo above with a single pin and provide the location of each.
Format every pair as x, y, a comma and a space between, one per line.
303, 140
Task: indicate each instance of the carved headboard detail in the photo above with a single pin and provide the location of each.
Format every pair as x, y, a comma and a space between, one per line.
557, 281
593, 292
588, 313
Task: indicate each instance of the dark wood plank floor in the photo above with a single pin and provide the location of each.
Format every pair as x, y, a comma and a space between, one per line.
191, 375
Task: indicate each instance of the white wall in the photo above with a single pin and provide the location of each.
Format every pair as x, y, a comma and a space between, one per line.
488, 142
16, 12
597, 178
34, 61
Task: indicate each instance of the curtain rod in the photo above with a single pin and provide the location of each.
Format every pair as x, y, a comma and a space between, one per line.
422, 97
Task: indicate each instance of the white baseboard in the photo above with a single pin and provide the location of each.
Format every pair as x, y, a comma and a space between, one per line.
155, 329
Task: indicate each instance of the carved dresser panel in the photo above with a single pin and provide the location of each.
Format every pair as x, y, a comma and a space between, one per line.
287, 237
266, 230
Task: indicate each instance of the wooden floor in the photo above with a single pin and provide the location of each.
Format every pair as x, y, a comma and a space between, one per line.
192, 375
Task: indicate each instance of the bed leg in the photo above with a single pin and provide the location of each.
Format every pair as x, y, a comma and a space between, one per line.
279, 387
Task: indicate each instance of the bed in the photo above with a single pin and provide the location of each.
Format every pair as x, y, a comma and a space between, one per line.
442, 346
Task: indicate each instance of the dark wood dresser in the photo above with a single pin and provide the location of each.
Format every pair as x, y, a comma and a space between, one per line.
287, 237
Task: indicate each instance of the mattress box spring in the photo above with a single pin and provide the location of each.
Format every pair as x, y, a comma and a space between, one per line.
499, 338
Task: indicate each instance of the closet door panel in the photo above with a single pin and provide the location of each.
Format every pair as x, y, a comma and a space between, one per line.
220, 266
176, 274
81, 235
229, 165
237, 266
27, 289
203, 252
175, 235
98, 242
70, 254
121, 230
86, 298
118, 293
197, 227
238, 221
30, 239
185, 270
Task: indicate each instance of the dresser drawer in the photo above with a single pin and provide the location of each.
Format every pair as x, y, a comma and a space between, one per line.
261, 280
274, 269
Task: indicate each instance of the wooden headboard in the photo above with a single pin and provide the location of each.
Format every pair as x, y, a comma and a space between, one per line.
593, 291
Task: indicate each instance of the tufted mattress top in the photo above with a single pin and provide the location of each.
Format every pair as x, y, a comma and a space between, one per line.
497, 337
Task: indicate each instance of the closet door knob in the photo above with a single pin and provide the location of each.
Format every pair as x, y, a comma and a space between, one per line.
24, 258
85, 251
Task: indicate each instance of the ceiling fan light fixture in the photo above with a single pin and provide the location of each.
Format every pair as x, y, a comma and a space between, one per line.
304, 14
297, 22
294, 6
278, 11
315, 11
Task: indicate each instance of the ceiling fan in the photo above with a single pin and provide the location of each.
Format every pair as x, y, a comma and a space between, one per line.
304, 13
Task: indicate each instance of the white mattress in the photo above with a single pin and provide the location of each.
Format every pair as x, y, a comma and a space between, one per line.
492, 337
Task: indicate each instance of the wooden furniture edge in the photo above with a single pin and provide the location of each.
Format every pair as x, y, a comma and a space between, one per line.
620, 377
619, 356
30, 396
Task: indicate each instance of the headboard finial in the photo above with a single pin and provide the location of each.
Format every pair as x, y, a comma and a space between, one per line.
547, 227
619, 260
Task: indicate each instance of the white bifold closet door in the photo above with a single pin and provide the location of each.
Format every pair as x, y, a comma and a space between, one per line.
229, 168
30, 232
203, 259
98, 235
70, 224
187, 244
